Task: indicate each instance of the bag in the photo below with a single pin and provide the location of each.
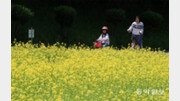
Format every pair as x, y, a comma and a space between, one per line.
97, 44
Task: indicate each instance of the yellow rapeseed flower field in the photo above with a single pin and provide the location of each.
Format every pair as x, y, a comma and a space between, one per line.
57, 73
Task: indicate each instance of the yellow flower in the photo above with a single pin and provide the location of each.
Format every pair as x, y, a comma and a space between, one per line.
79, 73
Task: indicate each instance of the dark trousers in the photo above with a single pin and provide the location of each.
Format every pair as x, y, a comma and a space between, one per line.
137, 39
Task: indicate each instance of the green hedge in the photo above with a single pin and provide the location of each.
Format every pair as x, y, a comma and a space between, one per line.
152, 19
21, 13
65, 15
115, 16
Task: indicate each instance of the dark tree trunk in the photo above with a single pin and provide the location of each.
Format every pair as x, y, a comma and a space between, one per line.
14, 30
64, 34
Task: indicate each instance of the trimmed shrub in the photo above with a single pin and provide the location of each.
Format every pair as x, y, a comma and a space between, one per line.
21, 14
65, 15
152, 19
115, 16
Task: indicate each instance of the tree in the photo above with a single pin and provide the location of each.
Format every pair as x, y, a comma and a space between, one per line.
152, 19
65, 16
115, 16
20, 15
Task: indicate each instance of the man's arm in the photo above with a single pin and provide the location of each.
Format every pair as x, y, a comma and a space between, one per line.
130, 28
142, 29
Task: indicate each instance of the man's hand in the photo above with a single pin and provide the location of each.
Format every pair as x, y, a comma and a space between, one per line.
128, 30
140, 32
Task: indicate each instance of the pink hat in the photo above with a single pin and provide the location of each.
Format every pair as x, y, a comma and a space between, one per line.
105, 27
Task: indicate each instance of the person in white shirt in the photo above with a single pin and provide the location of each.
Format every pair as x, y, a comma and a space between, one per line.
137, 29
104, 37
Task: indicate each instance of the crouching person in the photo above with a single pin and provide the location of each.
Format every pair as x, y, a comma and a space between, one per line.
104, 37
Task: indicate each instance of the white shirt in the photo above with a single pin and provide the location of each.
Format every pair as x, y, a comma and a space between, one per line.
104, 38
136, 28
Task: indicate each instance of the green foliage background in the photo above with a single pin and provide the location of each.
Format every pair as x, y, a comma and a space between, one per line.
91, 16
